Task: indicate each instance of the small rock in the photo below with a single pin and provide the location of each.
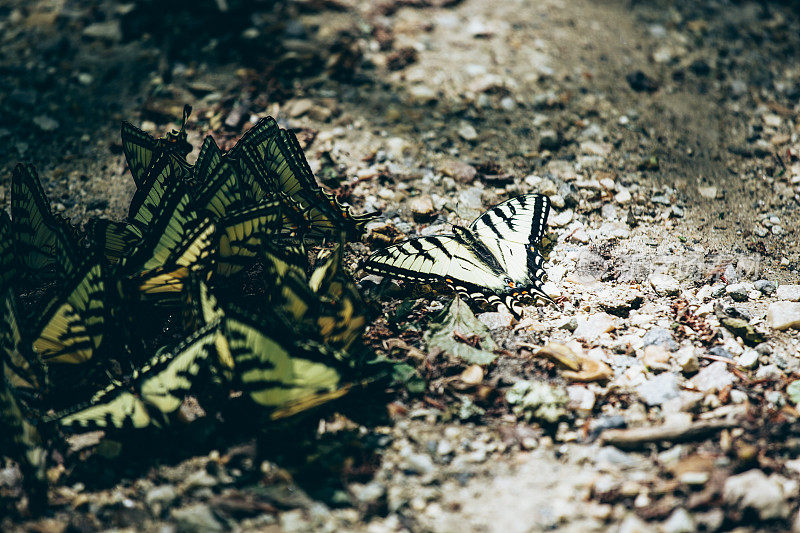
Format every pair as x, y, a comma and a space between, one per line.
298, 108
592, 326
620, 300
754, 490
623, 196
45, 123
369, 493
738, 291
467, 132
549, 140
163, 494
562, 219
789, 293
680, 521
748, 358
461, 172
664, 285
771, 372
765, 286
538, 400
422, 94
397, 147
196, 518
656, 358
783, 315
687, 360
109, 30
422, 208
659, 390
634, 524
419, 463
641, 82
708, 192
659, 336
713, 378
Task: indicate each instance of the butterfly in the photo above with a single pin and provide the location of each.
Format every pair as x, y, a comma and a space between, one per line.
273, 162
72, 324
495, 259
152, 393
141, 149
43, 243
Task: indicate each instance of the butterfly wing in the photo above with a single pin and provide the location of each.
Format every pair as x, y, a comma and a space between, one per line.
42, 241
22, 369
512, 231
139, 149
71, 326
241, 233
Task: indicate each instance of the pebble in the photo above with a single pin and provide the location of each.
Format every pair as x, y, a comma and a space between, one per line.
738, 291
196, 518
748, 358
771, 372
467, 132
620, 300
659, 336
656, 358
765, 286
687, 360
422, 94
419, 463
634, 524
754, 490
707, 192
163, 494
664, 285
713, 378
659, 390
109, 30
789, 293
783, 315
397, 147
422, 208
549, 140
369, 493
592, 326
623, 196
680, 521
562, 219
459, 171
45, 123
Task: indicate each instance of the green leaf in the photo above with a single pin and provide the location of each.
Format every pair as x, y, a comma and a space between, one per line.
793, 390
460, 321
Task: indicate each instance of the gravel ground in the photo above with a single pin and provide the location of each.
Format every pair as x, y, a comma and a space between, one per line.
666, 136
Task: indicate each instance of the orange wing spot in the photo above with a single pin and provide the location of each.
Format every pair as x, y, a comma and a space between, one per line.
524, 292
448, 280
515, 293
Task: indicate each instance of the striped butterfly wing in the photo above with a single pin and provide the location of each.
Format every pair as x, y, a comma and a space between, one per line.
70, 329
115, 239
155, 391
279, 153
241, 234
162, 181
512, 231
23, 369
20, 441
219, 192
207, 160
440, 258
42, 242
272, 370
141, 149
8, 269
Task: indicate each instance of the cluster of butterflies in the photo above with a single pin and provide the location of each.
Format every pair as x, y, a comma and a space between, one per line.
114, 326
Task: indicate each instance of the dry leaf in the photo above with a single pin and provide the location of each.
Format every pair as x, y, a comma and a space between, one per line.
560, 354
590, 370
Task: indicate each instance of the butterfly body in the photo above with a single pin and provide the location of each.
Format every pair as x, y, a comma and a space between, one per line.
495, 259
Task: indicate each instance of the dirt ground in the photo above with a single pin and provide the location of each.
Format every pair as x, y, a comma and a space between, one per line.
667, 135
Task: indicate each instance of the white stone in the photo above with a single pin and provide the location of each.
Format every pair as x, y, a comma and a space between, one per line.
664, 285
754, 490
592, 326
623, 196
784, 315
562, 219
680, 521
713, 378
707, 192
748, 359
789, 293
467, 132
